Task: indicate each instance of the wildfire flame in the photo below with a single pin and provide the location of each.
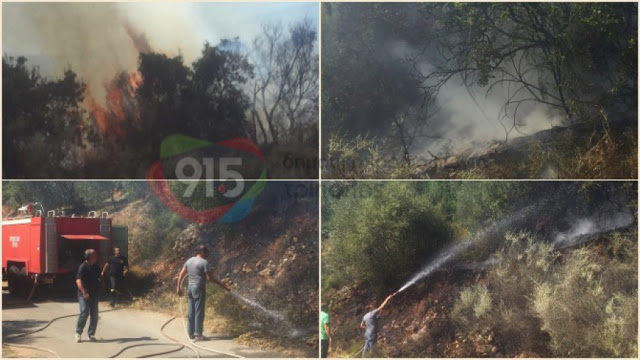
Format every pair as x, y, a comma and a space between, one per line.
118, 106
135, 80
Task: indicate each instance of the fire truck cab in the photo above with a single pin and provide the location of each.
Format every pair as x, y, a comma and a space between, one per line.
37, 249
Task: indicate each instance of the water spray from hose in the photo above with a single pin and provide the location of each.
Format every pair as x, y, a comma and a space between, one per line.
442, 259
269, 313
583, 228
462, 245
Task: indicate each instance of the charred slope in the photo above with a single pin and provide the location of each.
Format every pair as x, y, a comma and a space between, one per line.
420, 321
553, 153
568, 219
270, 257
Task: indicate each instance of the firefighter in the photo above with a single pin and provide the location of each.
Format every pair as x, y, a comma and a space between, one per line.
198, 270
119, 266
88, 283
370, 325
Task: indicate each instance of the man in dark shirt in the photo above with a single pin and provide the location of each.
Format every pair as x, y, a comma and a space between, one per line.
119, 266
88, 283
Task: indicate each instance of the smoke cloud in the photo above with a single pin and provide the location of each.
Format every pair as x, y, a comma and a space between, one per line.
467, 116
591, 225
96, 40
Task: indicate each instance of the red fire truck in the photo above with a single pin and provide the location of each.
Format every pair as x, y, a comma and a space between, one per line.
37, 248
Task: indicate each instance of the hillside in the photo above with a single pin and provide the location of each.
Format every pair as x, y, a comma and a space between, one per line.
558, 153
269, 258
421, 322
530, 269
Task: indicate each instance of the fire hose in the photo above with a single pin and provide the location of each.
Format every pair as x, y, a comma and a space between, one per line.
38, 330
184, 324
177, 343
357, 352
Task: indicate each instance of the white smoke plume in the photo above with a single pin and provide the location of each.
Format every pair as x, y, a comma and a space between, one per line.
470, 118
96, 40
591, 225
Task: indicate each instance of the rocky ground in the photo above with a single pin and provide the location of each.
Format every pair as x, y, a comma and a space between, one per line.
272, 262
415, 322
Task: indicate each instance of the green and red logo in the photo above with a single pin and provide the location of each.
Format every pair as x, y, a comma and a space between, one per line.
203, 182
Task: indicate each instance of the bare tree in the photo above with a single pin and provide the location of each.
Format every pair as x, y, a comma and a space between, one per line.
538, 53
285, 90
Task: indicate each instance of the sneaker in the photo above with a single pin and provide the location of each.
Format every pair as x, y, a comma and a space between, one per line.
92, 338
191, 337
78, 338
198, 338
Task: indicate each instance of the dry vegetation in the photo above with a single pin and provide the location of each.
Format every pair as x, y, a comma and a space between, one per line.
519, 290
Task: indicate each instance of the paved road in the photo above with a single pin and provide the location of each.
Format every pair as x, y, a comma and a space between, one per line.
116, 329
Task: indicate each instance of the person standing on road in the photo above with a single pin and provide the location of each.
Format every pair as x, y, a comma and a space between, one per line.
88, 283
370, 324
325, 332
199, 271
119, 266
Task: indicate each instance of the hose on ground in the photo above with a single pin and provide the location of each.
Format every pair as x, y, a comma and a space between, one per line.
180, 345
38, 330
175, 343
184, 324
48, 324
357, 352
33, 289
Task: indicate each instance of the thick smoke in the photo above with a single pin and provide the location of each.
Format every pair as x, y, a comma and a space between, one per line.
95, 40
467, 116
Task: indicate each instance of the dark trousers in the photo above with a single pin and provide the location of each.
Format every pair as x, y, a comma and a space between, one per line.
368, 346
196, 295
88, 308
324, 348
116, 287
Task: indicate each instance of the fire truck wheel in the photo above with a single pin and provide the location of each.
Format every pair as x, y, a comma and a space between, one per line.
18, 282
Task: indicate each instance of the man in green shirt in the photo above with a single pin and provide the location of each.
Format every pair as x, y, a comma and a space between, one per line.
325, 332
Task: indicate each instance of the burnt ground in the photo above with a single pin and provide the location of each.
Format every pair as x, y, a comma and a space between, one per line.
270, 257
415, 323
513, 159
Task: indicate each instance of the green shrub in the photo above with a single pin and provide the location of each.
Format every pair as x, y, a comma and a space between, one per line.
589, 307
521, 263
579, 303
383, 230
473, 303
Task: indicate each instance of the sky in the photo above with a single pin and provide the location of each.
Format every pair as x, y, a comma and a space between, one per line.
66, 32
92, 38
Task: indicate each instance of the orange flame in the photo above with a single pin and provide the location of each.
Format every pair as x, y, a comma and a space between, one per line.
99, 115
111, 117
135, 80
